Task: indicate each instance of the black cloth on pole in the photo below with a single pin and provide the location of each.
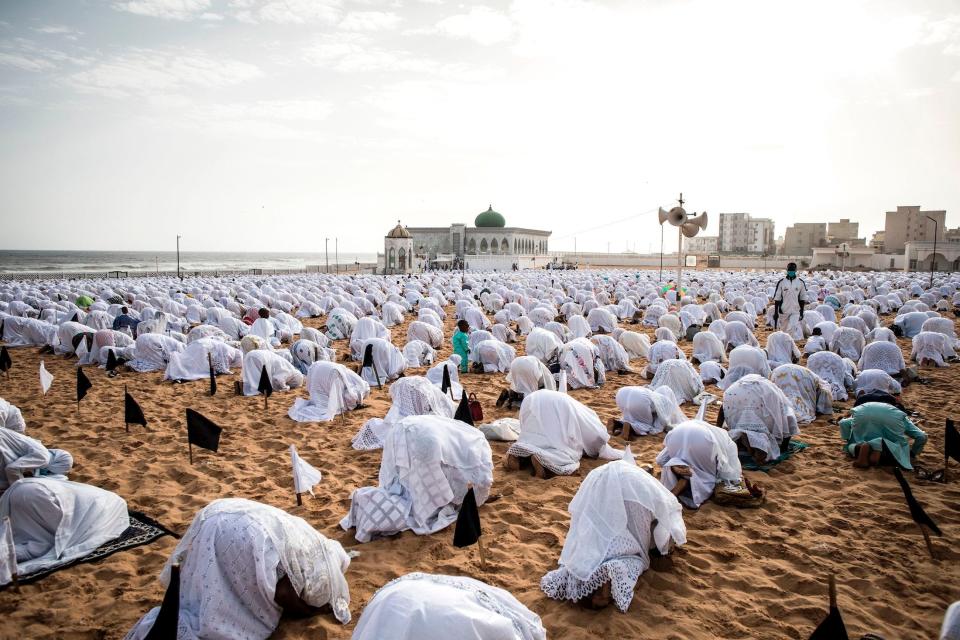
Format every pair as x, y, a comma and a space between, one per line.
213, 381
951, 441
168, 618
367, 357
132, 413
467, 531
202, 431
6, 362
445, 383
463, 413
111, 360
264, 385
83, 384
916, 511
832, 627
75, 318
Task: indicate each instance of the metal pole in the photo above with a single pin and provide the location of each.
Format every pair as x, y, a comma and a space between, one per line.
679, 261
336, 254
178, 256
660, 277
933, 258
326, 252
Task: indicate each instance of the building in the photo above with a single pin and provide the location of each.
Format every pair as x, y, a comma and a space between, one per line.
844, 232
702, 244
742, 233
878, 241
803, 237
439, 247
910, 224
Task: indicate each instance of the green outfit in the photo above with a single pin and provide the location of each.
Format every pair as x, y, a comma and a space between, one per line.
460, 342
875, 423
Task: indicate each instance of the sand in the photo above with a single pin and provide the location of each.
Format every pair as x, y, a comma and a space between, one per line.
742, 574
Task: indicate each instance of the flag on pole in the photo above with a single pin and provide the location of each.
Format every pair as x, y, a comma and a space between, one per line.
8, 553
305, 476
46, 378
112, 361
562, 386
202, 431
83, 384
445, 384
467, 531
335, 403
463, 413
132, 413
628, 455
213, 376
916, 511
168, 618
951, 441
5, 361
264, 385
832, 627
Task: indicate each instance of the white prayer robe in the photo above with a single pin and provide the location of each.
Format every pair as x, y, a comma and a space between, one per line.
882, 355
21, 455
837, 371
528, 374
807, 392
283, 375
388, 359
11, 418
647, 411
680, 377
543, 345
870, 380
709, 453
754, 407
192, 362
928, 345
321, 376
412, 396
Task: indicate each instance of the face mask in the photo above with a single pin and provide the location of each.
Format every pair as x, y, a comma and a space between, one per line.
791, 274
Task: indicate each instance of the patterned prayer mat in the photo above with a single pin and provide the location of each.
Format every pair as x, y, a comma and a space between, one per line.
142, 530
748, 463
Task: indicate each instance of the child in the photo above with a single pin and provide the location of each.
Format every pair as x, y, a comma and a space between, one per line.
815, 343
460, 343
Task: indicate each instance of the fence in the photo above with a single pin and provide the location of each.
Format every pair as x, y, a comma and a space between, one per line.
364, 267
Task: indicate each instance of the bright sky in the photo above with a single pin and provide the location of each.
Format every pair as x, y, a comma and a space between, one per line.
251, 125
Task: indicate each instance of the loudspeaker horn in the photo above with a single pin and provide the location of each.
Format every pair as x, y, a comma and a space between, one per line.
677, 216
690, 229
700, 220
663, 215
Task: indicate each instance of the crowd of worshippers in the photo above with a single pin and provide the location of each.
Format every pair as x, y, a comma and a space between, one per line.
579, 330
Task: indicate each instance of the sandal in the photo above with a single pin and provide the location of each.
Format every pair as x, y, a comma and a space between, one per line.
927, 475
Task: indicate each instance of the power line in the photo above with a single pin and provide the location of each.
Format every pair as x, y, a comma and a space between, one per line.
609, 224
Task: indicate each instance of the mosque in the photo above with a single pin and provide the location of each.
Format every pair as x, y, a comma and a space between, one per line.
490, 243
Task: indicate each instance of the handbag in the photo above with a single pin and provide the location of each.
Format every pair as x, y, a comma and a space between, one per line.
476, 411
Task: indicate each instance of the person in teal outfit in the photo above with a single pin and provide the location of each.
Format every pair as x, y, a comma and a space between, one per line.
460, 341
873, 424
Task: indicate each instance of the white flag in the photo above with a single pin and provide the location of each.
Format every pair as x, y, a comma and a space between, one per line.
46, 378
705, 399
8, 553
304, 475
335, 404
562, 386
628, 456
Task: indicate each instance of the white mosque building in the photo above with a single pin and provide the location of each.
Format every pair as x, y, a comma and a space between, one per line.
490, 244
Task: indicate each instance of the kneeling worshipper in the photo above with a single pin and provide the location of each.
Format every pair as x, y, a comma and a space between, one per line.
424, 606
55, 521
11, 418
418, 353
21, 455
419, 330
707, 347
612, 353
885, 356
680, 377
151, 352
874, 380
324, 378
745, 360
305, 352
661, 351
543, 345
848, 342
193, 363
527, 374
759, 417
412, 396
636, 344
781, 349
711, 372
619, 513
27, 332
452, 366
555, 431
427, 464
387, 359
808, 393
492, 356
932, 349
283, 375
243, 565
103, 342
876, 433
364, 329
700, 460
738, 334
838, 372
580, 358
646, 411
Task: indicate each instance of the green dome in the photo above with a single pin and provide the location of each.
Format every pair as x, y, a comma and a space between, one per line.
490, 218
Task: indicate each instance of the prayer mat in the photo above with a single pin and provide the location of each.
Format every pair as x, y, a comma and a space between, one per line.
142, 530
749, 464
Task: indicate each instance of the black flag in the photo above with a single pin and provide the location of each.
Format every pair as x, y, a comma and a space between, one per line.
5, 361
445, 383
916, 511
467, 531
832, 627
167, 620
202, 431
951, 442
111, 361
463, 413
264, 385
75, 318
83, 384
132, 413
76, 340
213, 381
367, 357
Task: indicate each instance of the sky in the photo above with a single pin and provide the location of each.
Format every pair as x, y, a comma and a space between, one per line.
270, 125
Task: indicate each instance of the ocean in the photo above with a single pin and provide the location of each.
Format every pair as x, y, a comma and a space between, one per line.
94, 261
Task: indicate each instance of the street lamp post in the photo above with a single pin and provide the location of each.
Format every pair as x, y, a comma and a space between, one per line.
178, 257
336, 254
933, 258
326, 253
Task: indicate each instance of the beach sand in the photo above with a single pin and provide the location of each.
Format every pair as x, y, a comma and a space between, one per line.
742, 574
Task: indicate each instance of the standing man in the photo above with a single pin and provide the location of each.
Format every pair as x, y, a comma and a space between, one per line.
789, 299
